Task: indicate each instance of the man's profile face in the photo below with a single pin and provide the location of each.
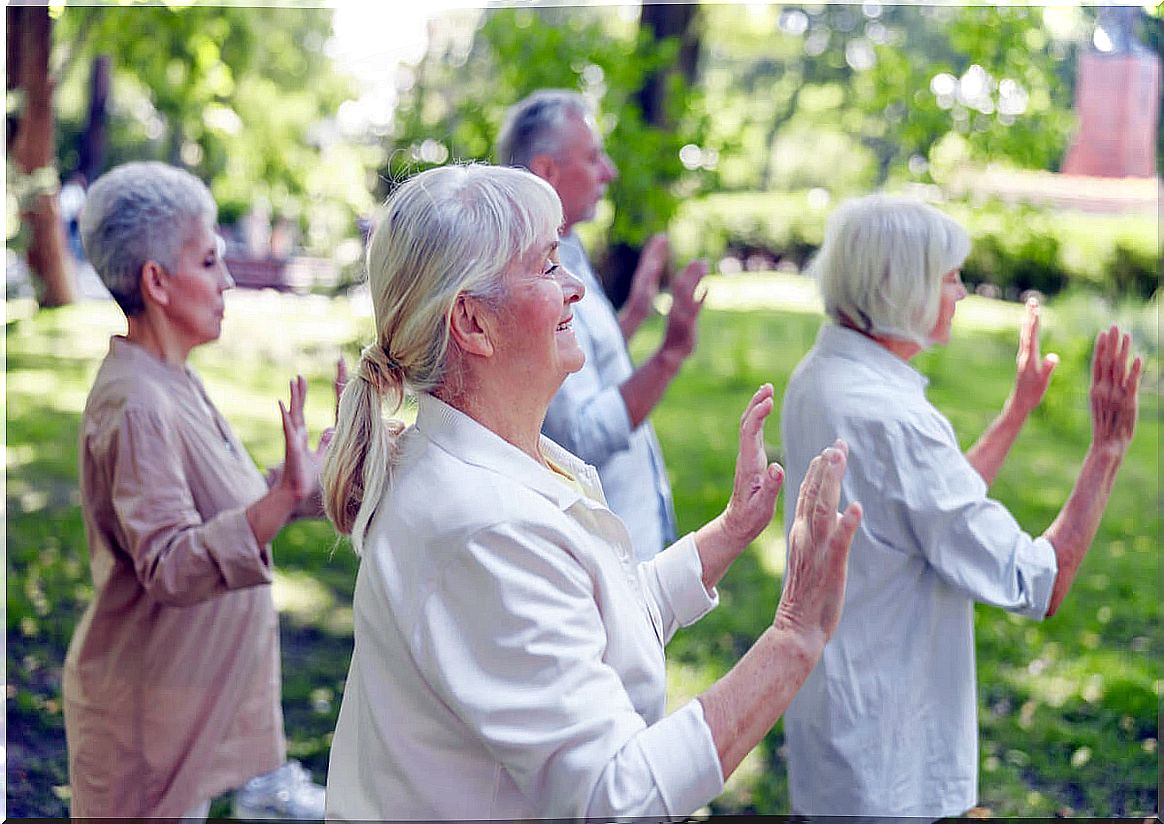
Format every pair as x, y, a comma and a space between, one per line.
581, 170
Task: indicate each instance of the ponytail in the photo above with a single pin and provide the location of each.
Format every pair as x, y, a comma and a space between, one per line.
359, 460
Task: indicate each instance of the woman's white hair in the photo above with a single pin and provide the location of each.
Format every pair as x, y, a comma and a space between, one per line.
138, 212
881, 265
446, 232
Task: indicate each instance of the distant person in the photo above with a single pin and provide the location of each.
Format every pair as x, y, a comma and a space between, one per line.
508, 660
171, 683
600, 413
886, 724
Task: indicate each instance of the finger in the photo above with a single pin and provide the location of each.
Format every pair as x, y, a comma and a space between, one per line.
1029, 326
809, 488
774, 478
1049, 364
1098, 358
764, 391
1036, 319
842, 538
1132, 385
824, 514
1121, 361
285, 416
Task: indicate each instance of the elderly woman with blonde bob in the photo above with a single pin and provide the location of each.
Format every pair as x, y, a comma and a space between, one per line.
886, 723
508, 656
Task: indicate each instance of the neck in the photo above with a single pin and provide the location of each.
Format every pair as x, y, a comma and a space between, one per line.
509, 417
147, 332
903, 349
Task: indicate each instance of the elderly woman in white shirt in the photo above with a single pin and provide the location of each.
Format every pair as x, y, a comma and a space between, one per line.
886, 724
508, 657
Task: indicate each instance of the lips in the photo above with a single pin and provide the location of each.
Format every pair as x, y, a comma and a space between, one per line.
564, 326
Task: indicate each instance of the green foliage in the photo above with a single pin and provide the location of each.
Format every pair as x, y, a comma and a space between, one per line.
765, 69
243, 96
1067, 706
1014, 247
454, 108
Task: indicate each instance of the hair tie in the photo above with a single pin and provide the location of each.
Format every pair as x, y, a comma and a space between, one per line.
380, 369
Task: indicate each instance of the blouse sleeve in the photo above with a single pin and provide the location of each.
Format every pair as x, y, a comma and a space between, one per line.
971, 540
520, 663
180, 559
674, 578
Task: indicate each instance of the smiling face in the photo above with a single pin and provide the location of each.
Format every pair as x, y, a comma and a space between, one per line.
952, 291
534, 321
580, 170
194, 288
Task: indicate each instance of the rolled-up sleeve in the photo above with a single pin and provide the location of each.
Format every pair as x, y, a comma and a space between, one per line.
587, 418
520, 662
180, 559
674, 578
971, 540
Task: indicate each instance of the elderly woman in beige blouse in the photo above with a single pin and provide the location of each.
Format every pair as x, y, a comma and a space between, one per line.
171, 683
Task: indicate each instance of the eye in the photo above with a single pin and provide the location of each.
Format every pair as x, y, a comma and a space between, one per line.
550, 269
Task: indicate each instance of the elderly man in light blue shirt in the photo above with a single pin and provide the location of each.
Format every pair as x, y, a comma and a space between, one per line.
600, 412
886, 724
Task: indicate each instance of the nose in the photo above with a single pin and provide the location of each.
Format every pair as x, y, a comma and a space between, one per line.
225, 281
573, 289
610, 170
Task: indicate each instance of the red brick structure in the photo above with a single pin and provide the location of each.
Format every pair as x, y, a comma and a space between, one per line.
1117, 100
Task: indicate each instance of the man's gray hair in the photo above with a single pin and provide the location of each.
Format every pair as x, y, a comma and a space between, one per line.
881, 265
138, 212
533, 125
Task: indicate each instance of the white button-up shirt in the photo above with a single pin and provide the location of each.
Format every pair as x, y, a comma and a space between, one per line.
508, 657
886, 723
589, 417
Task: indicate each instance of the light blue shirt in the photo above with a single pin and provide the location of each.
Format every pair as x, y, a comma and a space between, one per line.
589, 418
886, 724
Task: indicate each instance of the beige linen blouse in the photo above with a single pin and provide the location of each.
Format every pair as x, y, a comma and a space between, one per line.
171, 683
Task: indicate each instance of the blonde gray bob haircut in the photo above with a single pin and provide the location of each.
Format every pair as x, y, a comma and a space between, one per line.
138, 212
447, 232
881, 265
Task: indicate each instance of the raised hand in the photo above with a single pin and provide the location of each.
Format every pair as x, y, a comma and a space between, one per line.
818, 548
644, 285
679, 338
1114, 392
299, 475
757, 482
1034, 373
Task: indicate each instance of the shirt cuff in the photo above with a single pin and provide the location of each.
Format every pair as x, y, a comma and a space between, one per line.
680, 575
683, 760
1038, 568
244, 563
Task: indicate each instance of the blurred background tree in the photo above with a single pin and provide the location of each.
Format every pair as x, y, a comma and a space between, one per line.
754, 97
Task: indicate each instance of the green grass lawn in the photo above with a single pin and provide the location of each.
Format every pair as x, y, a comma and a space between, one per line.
1068, 708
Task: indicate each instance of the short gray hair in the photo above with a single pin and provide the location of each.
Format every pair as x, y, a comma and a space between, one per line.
446, 232
138, 212
881, 265
533, 125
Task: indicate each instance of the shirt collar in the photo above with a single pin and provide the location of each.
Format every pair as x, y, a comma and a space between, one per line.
469, 441
841, 341
137, 358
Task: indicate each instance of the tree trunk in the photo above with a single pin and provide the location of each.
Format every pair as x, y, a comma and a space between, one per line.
32, 148
94, 139
661, 20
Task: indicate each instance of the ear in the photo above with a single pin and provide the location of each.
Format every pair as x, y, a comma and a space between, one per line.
154, 286
470, 326
545, 167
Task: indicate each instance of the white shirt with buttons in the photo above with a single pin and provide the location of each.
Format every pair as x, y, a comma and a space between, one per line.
508, 657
